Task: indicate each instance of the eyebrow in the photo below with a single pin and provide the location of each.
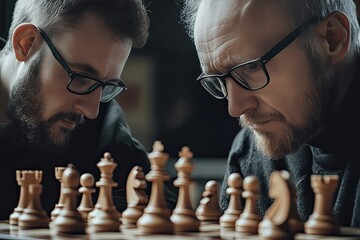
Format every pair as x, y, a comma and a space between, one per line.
86, 68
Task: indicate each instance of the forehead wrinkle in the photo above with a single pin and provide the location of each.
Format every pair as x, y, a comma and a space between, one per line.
216, 63
220, 58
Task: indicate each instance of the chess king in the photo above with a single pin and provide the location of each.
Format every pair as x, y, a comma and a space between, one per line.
289, 71
60, 70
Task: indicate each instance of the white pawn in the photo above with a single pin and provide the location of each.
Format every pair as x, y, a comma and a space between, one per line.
69, 220
232, 213
249, 219
86, 205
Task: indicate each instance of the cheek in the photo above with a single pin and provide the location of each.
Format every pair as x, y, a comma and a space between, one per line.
53, 88
290, 86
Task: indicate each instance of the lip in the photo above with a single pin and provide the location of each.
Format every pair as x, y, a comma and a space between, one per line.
260, 126
68, 124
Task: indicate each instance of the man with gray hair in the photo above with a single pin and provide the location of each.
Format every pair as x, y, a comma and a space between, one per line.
289, 71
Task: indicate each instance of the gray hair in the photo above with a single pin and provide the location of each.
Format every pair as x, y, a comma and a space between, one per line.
298, 12
126, 19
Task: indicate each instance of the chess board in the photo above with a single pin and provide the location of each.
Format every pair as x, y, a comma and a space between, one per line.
207, 231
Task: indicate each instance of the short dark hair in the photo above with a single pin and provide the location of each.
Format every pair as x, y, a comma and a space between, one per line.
126, 19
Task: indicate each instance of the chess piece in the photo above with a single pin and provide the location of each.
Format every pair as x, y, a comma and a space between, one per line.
34, 216
58, 174
24, 179
156, 216
69, 220
296, 224
183, 216
249, 219
275, 224
322, 221
86, 205
232, 213
135, 196
209, 210
105, 217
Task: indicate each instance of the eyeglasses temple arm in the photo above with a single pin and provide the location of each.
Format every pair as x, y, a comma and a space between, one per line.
54, 51
288, 39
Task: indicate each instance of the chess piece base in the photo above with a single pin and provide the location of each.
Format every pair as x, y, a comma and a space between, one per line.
248, 224
33, 219
155, 223
321, 225
185, 223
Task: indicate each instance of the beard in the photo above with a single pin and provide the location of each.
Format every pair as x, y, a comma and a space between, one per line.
315, 109
27, 107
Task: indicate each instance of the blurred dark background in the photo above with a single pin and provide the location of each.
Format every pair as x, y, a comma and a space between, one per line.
163, 101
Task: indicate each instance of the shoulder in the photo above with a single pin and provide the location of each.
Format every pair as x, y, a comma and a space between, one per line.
116, 137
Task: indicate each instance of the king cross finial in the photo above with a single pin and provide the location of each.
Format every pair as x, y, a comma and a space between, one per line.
185, 152
158, 146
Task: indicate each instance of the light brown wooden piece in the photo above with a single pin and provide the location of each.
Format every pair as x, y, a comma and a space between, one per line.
232, 213
34, 216
183, 216
58, 175
322, 221
24, 178
135, 196
105, 217
156, 216
275, 225
207, 232
249, 220
87, 181
209, 208
69, 220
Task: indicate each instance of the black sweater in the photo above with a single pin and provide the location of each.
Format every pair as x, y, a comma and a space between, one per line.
108, 133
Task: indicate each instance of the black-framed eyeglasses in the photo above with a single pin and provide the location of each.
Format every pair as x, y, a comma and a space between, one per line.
80, 84
251, 75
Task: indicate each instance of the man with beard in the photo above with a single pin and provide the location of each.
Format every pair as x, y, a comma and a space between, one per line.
60, 72
288, 70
